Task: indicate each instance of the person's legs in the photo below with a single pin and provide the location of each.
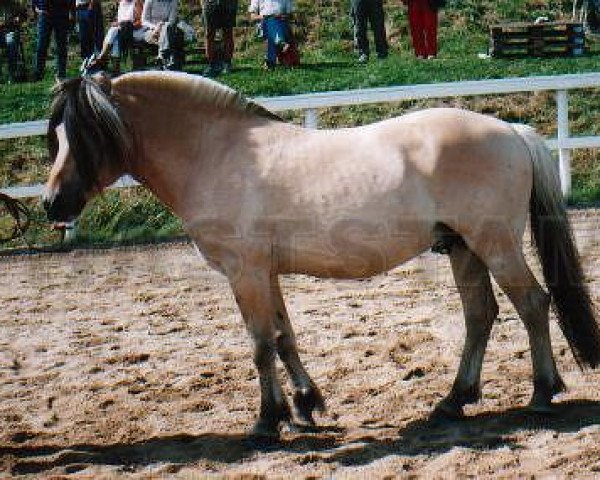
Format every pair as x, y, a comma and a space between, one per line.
229, 14
86, 31
211, 48
430, 30
415, 18
170, 47
211, 25
273, 32
359, 22
228, 44
61, 32
3, 47
43, 29
164, 47
377, 20
11, 42
98, 24
111, 43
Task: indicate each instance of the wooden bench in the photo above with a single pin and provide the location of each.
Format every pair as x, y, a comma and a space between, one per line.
546, 39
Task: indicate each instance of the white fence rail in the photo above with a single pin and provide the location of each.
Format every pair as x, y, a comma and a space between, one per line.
310, 103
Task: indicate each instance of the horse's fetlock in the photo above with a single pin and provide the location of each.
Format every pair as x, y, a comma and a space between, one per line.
544, 389
306, 401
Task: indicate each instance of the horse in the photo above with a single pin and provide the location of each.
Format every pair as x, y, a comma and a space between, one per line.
260, 197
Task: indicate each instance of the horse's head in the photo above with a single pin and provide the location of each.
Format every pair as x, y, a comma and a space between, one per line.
89, 144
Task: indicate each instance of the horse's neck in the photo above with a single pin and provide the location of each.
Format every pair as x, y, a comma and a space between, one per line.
183, 153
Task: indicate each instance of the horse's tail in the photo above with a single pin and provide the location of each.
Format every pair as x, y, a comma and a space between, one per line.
558, 254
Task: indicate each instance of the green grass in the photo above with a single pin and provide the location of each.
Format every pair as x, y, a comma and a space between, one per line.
329, 63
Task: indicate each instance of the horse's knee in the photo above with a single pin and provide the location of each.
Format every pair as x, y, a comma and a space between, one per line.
264, 354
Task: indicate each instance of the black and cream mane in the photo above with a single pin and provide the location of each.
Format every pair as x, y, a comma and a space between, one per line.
97, 132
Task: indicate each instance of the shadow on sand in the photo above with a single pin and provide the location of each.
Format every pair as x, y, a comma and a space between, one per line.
487, 431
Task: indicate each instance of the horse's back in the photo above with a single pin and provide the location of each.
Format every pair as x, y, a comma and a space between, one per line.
400, 179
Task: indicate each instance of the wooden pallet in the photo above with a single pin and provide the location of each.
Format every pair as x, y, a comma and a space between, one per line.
550, 39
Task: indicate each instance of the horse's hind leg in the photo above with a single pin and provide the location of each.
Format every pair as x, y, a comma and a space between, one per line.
508, 265
252, 291
480, 309
307, 396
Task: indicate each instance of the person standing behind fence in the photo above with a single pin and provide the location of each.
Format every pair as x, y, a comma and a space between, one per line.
52, 16
12, 16
219, 15
364, 12
423, 21
274, 20
91, 26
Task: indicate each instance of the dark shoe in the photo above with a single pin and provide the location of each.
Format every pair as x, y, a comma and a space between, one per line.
213, 70
268, 65
226, 68
382, 56
282, 47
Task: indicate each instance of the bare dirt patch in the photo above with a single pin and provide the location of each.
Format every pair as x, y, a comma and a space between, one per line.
135, 362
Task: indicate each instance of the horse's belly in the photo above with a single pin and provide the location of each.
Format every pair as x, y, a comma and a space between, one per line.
355, 253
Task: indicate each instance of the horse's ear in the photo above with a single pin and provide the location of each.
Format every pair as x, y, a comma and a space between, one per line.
103, 81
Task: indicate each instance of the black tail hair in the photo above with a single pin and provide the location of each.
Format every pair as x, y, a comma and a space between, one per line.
559, 257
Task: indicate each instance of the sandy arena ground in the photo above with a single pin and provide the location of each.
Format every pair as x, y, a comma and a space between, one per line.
135, 362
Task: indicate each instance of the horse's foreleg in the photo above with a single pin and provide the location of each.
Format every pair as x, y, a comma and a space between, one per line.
307, 396
480, 309
253, 295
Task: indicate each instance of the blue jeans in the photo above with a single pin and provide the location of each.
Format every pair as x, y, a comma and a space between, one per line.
91, 30
276, 32
46, 24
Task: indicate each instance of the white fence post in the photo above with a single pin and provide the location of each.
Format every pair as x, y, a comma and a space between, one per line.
311, 118
564, 154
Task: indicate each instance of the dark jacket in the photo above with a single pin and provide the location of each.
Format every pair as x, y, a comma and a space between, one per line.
12, 14
54, 7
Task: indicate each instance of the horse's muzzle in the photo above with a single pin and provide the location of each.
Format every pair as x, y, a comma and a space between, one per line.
63, 206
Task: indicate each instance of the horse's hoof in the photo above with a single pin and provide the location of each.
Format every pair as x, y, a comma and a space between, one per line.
541, 400
265, 430
300, 428
541, 406
305, 419
447, 410
306, 401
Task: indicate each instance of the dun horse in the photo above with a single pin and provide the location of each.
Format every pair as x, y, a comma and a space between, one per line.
260, 197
